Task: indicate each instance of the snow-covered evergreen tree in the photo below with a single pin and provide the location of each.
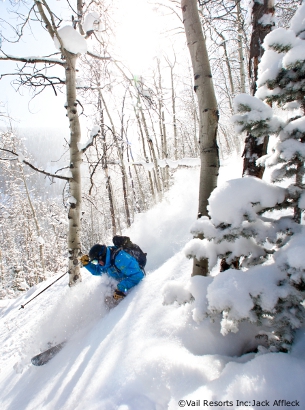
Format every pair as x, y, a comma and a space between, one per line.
260, 223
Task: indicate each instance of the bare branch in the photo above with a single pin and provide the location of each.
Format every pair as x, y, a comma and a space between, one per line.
35, 168
91, 54
31, 60
19, 32
45, 19
178, 14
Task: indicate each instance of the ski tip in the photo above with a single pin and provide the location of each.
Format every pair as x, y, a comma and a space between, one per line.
47, 355
36, 362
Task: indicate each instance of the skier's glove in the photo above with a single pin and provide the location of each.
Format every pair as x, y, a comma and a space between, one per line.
118, 295
84, 260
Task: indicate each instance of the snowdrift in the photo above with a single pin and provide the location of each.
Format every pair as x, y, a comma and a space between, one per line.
150, 352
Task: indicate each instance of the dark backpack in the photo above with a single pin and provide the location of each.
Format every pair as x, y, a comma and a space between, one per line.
124, 243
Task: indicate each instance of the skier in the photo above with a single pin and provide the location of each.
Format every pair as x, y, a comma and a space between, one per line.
117, 263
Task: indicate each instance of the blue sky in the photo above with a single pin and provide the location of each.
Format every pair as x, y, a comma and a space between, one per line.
44, 110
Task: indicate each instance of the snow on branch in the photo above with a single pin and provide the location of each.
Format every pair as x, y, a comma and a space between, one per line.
71, 40
31, 59
94, 133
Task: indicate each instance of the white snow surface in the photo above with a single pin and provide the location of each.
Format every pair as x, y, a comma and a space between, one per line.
156, 347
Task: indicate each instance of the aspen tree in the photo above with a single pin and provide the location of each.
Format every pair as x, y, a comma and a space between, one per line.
208, 113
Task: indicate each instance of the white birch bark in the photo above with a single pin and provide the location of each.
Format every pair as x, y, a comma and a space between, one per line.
171, 66
162, 127
208, 112
68, 61
240, 50
74, 215
152, 152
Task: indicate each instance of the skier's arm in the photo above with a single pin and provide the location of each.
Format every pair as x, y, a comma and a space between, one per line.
95, 270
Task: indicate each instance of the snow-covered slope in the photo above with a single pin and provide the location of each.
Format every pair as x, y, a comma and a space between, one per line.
144, 354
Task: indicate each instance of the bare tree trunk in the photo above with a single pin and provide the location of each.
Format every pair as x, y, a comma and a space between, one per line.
164, 149
163, 135
1, 268
297, 211
208, 112
259, 32
74, 215
299, 178
174, 117
140, 188
44, 14
152, 153
159, 173
41, 245
196, 119
253, 149
123, 170
117, 214
154, 132
105, 168
171, 66
135, 198
144, 152
240, 49
111, 201
227, 60
122, 165
224, 46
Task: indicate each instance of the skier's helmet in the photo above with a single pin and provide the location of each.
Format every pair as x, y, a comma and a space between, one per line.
97, 252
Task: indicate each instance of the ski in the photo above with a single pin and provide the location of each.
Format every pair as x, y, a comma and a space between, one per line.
47, 355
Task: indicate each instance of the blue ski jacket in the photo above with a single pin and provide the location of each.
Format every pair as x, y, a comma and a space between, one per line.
125, 270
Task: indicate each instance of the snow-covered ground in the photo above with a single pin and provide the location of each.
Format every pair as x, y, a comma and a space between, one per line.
148, 353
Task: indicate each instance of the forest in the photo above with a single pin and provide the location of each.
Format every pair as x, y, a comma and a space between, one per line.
227, 80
